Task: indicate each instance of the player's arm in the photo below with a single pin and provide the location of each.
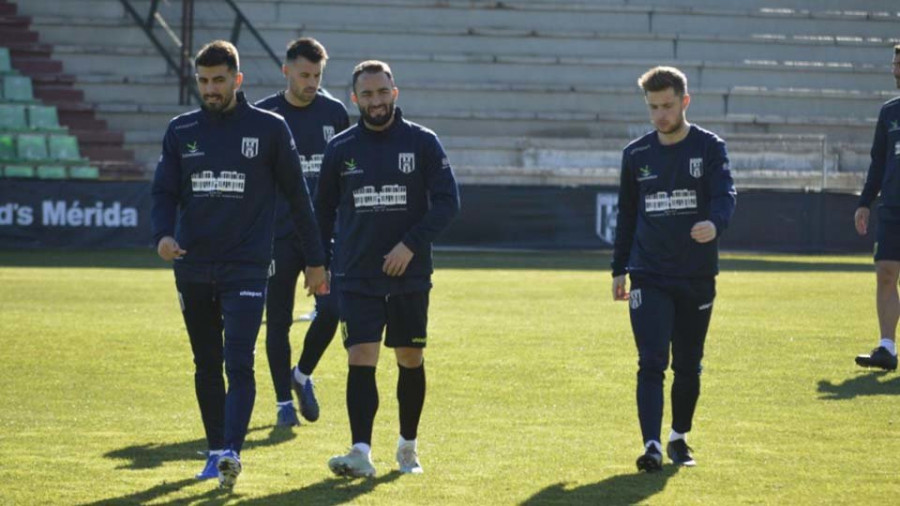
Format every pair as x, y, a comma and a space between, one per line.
874, 177
723, 196
165, 194
289, 176
626, 223
328, 195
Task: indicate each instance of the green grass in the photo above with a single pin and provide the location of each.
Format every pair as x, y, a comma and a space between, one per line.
531, 371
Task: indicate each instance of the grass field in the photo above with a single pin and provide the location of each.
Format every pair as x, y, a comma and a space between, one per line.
531, 371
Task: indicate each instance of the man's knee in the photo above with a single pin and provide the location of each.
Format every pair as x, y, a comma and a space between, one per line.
887, 272
365, 354
410, 358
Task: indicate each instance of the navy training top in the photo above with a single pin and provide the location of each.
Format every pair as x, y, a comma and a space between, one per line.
312, 127
664, 191
884, 171
214, 190
383, 188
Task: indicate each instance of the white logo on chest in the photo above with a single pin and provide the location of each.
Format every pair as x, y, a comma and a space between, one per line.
250, 147
697, 167
407, 162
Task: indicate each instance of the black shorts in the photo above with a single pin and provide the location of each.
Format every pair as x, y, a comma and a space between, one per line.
365, 317
887, 241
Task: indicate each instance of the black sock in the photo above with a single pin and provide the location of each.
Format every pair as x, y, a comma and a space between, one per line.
411, 399
362, 402
318, 337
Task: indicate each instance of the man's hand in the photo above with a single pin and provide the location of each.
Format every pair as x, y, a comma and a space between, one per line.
618, 288
168, 249
703, 231
315, 281
397, 260
861, 220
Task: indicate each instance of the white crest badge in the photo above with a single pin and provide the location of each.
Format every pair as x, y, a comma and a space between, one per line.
634, 298
407, 162
697, 167
328, 132
250, 147
897, 148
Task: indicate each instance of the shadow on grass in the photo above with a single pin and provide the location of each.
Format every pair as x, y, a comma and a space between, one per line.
622, 489
212, 496
513, 260
151, 455
861, 386
327, 492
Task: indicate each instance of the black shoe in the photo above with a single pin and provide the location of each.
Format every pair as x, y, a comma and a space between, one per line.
880, 358
680, 453
650, 461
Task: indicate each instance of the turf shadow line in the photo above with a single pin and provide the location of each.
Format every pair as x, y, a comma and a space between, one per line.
166, 488
328, 492
621, 489
861, 386
152, 455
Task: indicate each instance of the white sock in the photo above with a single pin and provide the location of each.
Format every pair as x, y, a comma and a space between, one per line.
285, 403
889, 344
300, 377
401, 442
656, 444
215, 452
675, 435
363, 447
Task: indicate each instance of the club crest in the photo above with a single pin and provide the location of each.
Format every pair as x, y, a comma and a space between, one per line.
407, 162
250, 147
634, 299
697, 167
327, 132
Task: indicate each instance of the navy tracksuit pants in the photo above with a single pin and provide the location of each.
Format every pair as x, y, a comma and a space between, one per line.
223, 320
668, 312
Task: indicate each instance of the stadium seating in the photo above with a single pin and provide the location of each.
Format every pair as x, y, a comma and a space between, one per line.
32, 147
41, 117
5, 63
51, 172
63, 148
17, 88
21, 171
12, 117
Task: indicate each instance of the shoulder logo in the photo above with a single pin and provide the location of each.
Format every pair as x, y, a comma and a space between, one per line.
634, 298
327, 132
645, 173
193, 149
407, 162
696, 167
250, 147
350, 164
895, 125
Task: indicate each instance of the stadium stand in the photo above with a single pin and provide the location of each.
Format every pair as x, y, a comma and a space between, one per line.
537, 91
36, 101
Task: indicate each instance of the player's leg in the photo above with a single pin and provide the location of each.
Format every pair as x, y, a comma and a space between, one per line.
652, 312
319, 335
693, 310
887, 303
203, 320
362, 322
407, 333
243, 303
286, 267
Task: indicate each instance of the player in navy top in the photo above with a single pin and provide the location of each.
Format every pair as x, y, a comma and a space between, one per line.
213, 214
884, 178
314, 118
676, 197
389, 185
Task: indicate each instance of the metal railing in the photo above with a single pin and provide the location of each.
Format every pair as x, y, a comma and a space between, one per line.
184, 68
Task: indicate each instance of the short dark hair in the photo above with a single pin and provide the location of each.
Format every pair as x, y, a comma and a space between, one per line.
371, 67
218, 52
661, 78
307, 47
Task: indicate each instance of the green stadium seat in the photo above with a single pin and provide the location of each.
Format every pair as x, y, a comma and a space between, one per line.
32, 147
17, 89
42, 117
63, 147
19, 171
12, 117
7, 147
84, 172
51, 172
5, 63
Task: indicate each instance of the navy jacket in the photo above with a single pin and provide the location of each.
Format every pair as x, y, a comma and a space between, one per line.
884, 171
664, 191
214, 191
312, 126
383, 188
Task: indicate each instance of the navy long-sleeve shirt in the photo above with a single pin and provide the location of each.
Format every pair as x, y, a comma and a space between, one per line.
214, 190
664, 191
312, 126
383, 188
884, 171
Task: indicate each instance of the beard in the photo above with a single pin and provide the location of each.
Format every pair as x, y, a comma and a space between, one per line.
304, 95
378, 120
673, 128
219, 106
